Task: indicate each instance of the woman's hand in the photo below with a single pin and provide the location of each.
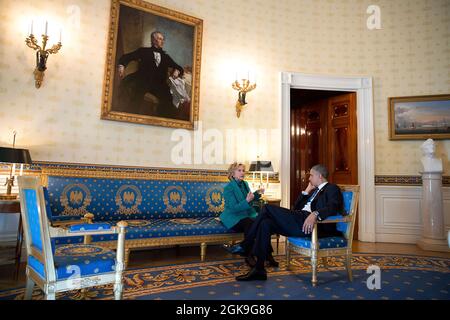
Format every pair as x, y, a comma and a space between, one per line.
250, 196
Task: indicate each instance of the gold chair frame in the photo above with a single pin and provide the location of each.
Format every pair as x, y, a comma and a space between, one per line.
49, 284
316, 253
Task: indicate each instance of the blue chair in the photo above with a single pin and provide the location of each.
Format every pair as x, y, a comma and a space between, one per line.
330, 246
67, 267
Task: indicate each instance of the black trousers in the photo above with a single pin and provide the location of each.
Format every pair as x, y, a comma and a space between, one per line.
273, 220
245, 225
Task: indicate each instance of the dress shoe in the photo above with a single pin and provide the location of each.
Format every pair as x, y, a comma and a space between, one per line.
253, 274
237, 249
272, 262
250, 261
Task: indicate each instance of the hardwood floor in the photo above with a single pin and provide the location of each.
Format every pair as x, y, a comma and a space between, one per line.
180, 255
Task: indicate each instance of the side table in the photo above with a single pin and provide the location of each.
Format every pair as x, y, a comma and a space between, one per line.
13, 207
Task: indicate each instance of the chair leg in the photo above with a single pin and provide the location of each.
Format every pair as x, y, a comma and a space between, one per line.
202, 251
29, 289
314, 268
314, 254
278, 243
118, 288
50, 293
348, 261
288, 258
50, 296
127, 257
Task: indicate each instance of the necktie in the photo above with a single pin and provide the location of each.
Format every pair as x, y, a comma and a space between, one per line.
313, 195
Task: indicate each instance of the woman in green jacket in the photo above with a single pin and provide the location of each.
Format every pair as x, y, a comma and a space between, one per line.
239, 214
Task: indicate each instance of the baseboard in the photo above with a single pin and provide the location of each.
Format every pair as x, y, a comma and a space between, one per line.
366, 236
397, 238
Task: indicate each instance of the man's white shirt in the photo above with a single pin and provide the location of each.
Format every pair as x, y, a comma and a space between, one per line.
307, 206
157, 58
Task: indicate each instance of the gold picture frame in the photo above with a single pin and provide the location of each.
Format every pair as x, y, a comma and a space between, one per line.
419, 117
152, 72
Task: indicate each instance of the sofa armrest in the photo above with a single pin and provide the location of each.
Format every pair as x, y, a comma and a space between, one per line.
66, 232
89, 227
88, 218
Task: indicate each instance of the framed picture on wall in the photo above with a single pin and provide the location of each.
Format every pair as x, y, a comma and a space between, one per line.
419, 117
152, 73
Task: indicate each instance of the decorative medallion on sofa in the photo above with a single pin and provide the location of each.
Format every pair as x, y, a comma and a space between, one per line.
174, 199
128, 199
214, 199
75, 198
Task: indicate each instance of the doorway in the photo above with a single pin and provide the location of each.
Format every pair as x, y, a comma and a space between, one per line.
324, 131
363, 87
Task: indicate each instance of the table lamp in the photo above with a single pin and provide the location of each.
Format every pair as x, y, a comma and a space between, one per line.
261, 167
13, 156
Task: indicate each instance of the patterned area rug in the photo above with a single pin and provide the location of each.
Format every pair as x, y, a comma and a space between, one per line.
401, 277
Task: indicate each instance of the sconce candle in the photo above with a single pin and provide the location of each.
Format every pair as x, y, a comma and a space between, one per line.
243, 87
12, 156
41, 53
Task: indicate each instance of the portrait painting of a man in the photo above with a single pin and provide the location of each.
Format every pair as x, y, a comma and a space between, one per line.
155, 62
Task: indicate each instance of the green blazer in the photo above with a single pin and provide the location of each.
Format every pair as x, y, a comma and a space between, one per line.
236, 206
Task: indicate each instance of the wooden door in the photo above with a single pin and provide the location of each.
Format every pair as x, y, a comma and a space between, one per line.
324, 131
308, 142
342, 150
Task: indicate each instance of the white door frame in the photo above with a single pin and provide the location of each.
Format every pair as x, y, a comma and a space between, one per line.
366, 146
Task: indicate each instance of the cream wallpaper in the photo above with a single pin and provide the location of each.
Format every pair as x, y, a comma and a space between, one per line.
409, 55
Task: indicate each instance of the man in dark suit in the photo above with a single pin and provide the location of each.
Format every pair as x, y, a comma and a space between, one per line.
319, 201
150, 81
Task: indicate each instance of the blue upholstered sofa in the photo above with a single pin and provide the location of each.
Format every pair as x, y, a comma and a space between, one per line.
160, 209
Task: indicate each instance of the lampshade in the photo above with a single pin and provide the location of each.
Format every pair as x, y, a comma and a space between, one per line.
13, 155
261, 166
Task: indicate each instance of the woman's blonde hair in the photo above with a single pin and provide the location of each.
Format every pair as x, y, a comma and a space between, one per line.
233, 167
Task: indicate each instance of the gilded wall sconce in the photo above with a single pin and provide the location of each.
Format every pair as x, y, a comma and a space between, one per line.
41, 53
242, 89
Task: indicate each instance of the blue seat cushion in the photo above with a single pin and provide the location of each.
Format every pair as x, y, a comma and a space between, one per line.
79, 260
324, 243
90, 259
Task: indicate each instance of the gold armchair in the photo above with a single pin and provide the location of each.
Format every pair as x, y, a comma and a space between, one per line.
75, 266
332, 246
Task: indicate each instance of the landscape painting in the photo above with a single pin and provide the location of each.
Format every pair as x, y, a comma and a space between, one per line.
419, 117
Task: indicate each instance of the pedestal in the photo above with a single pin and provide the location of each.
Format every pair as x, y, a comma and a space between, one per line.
433, 234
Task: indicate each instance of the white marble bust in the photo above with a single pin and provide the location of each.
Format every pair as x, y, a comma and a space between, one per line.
429, 161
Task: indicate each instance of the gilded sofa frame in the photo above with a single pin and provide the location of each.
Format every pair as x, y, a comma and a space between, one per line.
203, 240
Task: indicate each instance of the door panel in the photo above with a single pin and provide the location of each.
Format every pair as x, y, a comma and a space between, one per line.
324, 131
342, 160
308, 142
